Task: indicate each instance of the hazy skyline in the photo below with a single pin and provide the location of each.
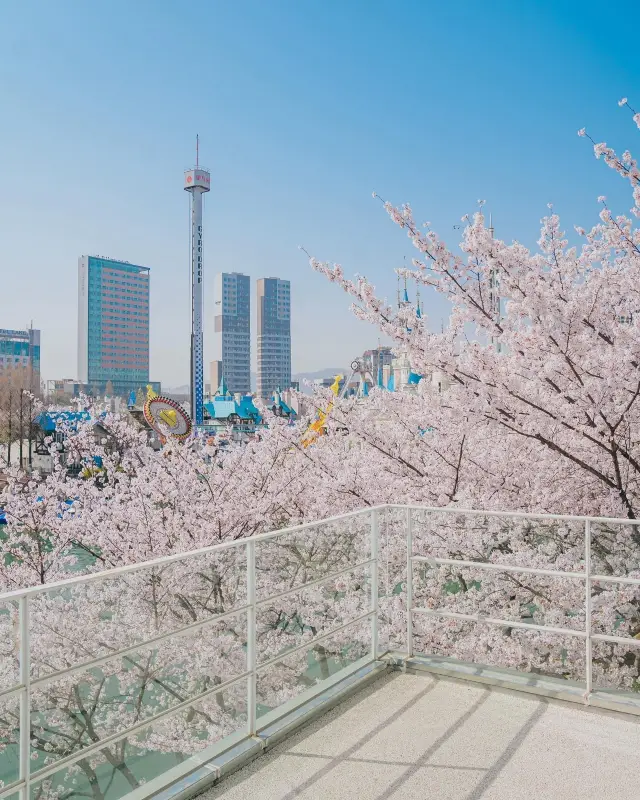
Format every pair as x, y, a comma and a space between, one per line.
302, 110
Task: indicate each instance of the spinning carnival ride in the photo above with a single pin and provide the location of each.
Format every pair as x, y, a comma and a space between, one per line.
162, 413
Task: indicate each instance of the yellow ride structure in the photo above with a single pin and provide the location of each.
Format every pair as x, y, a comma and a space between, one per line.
317, 427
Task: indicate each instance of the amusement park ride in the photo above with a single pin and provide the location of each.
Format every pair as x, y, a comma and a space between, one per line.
317, 427
197, 182
164, 415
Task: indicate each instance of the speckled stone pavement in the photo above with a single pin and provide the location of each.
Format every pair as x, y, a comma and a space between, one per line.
419, 737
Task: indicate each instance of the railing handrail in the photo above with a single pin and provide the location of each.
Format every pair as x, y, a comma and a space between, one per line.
515, 514
23, 688
371, 564
16, 594
105, 574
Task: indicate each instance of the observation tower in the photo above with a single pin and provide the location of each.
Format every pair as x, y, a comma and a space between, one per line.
197, 181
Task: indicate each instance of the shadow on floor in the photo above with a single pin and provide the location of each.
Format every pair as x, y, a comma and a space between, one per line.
420, 736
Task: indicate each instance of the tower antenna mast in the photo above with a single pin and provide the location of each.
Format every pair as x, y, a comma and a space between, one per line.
197, 181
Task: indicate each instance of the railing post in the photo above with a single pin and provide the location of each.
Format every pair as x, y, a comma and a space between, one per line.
251, 637
25, 697
587, 609
409, 589
375, 538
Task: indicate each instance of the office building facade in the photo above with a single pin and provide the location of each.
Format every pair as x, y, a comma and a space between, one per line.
113, 325
274, 336
215, 376
20, 350
233, 330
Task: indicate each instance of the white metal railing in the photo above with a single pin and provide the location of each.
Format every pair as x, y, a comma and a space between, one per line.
587, 576
27, 683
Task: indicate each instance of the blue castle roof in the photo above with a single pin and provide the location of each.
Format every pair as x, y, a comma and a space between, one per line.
49, 420
223, 406
278, 401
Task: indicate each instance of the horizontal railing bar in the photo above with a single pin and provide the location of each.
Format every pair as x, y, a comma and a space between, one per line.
317, 582
502, 623
515, 514
603, 637
163, 560
6, 694
140, 726
10, 788
501, 567
614, 579
311, 642
117, 571
97, 662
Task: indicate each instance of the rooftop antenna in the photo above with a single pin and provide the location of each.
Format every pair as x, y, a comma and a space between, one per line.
197, 150
398, 290
491, 231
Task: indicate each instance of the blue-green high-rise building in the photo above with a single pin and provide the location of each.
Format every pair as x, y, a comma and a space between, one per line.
113, 325
21, 350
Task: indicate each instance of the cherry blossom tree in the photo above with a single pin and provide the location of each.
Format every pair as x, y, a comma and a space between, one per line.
133, 504
542, 359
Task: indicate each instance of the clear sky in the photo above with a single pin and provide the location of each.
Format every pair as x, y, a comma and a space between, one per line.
303, 108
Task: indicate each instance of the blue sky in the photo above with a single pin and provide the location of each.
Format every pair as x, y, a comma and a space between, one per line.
303, 108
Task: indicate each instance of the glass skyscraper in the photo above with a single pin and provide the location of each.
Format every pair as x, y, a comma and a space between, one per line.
113, 325
233, 329
274, 336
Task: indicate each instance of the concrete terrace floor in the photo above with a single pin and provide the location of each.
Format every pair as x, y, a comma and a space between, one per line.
417, 737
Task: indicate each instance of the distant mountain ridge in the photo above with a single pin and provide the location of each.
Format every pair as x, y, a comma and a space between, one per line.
327, 372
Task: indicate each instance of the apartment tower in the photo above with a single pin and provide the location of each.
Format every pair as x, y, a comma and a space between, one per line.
233, 331
274, 336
